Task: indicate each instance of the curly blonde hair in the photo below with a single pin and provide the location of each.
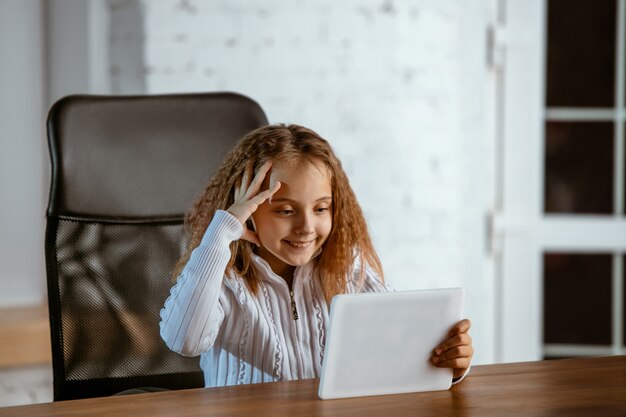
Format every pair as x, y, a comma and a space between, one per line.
348, 238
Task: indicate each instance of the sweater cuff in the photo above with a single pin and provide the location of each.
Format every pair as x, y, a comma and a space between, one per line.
223, 226
462, 377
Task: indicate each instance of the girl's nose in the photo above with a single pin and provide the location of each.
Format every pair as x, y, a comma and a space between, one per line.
304, 225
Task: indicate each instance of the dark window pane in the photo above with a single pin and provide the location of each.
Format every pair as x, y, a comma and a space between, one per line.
579, 167
581, 53
577, 298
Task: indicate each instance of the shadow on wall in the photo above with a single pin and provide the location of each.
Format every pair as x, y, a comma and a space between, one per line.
128, 69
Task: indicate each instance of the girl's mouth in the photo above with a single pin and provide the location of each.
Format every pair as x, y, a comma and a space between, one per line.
300, 245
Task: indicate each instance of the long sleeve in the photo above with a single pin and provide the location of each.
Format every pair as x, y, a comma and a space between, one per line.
192, 314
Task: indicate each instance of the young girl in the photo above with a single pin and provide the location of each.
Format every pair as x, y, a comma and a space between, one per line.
276, 234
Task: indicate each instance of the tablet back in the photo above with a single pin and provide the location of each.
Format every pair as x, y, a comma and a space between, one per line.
381, 343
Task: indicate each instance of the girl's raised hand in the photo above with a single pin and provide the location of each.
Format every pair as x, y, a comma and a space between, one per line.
457, 351
247, 198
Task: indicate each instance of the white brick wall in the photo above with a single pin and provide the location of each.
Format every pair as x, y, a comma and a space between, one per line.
23, 155
381, 80
395, 86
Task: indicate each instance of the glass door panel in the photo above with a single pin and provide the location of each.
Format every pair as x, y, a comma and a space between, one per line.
577, 298
579, 167
581, 53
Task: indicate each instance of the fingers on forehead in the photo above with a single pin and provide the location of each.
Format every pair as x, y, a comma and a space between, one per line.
261, 167
247, 171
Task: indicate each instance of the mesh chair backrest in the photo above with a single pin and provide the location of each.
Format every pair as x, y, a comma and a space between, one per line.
124, 171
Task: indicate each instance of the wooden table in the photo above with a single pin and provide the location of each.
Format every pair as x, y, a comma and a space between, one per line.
572, 387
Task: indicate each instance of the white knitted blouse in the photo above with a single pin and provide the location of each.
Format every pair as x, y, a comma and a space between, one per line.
242, 337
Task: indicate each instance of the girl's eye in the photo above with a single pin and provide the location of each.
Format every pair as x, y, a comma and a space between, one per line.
321, 209
284, 212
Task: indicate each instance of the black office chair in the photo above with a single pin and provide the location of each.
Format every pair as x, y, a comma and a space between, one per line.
124, 171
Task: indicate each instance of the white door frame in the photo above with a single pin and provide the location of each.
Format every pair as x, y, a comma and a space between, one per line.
521, 229
521, 37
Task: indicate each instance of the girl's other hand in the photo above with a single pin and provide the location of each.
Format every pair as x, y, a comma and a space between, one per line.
247, 198
457, 351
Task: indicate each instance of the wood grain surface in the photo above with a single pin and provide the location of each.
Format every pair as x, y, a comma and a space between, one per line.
570, 387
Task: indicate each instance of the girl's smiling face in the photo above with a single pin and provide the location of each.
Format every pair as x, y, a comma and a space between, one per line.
298, 220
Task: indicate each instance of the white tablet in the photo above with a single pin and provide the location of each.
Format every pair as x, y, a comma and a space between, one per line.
382, 343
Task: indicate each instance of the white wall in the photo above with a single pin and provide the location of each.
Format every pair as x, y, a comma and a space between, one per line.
47, 50
396, 87
23, 175
388, 83
77, 45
